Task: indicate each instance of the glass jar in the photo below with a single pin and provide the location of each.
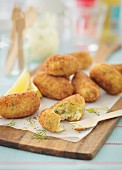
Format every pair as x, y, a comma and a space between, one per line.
42, 40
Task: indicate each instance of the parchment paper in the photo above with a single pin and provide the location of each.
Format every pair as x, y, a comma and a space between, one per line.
31, 123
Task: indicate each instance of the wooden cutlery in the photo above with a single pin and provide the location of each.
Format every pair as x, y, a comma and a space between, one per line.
21, 21
105, 50
92, 122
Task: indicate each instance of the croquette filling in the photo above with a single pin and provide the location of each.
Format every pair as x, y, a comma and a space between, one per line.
60, 129
69, 111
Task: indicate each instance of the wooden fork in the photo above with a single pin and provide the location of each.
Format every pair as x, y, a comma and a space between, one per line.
92, 122
105, 50
12, 51
20, 25
30, 17
16, 44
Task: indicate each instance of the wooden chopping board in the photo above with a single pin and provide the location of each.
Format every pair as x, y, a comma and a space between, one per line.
85, 149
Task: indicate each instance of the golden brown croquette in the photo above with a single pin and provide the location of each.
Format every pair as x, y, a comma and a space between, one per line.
107, 77
61, 65
84, 86
53, 87
19, 105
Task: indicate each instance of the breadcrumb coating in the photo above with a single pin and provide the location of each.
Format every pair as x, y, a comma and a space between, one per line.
84, 59
61, 65
53, 87
19, 105
107, 77
84, 86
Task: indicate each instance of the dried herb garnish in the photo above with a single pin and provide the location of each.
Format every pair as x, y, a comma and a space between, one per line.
96, 110
39, 135
12, 123
31, 120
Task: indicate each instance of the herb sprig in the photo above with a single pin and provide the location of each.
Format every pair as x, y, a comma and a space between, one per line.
31, 121
96, 110
39, 135
12, 123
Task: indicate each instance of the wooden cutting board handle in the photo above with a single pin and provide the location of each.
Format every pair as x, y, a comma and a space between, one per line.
105, 50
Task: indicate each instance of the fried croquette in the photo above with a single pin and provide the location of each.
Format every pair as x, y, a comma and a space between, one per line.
84, 86
19, 105
84, 59
107, 77
71, 109
42, 68
61, 65
50, 120
53, 87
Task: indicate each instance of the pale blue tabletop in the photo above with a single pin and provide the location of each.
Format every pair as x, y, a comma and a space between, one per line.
108, 158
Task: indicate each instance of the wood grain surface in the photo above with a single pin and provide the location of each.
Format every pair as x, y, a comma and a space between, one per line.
85, 149
105, 50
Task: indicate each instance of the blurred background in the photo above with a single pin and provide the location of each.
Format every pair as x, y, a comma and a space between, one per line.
60, 26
